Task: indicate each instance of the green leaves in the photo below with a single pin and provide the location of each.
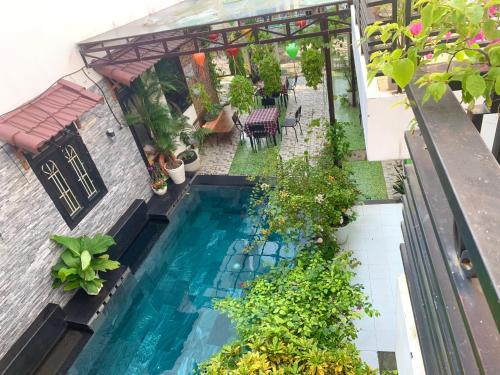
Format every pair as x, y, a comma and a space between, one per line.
312, 63
475, 85
98, 244
85, 259
241, 94
435, 90
77, 267
71, 243
494, 55
403, 71
451, 31
300, 315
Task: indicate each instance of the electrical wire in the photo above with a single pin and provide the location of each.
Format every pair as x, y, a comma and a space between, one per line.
43, 92
82, 69
105, 99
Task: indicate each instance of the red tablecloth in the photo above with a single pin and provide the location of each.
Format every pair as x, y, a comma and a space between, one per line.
265, 116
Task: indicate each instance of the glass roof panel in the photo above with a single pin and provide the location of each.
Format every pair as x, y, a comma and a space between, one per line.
201, 12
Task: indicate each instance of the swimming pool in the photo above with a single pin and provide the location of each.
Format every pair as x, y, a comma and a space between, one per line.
161, 321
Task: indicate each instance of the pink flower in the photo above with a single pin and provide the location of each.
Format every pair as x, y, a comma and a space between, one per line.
447, 36
494, 41
477, 38
429, 56
416, 28
492, 11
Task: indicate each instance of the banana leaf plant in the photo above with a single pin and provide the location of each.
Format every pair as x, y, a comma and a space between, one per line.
81, 261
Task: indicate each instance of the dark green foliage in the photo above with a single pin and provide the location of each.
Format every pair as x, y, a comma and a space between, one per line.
297, 319
239, 69
312, 63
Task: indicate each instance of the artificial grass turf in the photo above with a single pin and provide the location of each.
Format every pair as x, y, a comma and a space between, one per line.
250, 163
345, 113
369, 178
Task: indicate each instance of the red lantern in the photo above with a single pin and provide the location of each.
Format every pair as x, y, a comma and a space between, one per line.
199, 58
232, 51
213, 36
300, 23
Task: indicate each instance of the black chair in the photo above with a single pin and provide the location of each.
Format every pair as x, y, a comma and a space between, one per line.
268, 102
239, 126
293, 122
258, 95
258, 132
284, 93
292, 86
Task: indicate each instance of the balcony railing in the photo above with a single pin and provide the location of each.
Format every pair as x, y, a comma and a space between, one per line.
369, 11
452, 234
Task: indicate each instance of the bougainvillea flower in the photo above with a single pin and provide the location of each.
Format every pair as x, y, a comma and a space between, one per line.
477, 38
447, 35
492, 11
416, 28
429, 56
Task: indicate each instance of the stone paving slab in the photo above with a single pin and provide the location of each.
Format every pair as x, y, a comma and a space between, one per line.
217, 155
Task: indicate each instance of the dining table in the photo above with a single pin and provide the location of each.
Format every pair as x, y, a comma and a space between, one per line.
263, 116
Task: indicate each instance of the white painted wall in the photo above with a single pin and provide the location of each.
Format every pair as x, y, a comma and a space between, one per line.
38, 40
408, 353
384, 123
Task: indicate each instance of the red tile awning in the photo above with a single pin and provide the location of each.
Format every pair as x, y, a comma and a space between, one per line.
31, 125
127, 72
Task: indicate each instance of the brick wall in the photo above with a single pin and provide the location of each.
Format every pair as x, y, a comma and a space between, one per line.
28, 217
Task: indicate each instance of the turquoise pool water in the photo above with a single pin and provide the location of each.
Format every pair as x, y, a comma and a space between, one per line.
161, 320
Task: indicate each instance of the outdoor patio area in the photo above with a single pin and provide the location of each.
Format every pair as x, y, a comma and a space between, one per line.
250, 187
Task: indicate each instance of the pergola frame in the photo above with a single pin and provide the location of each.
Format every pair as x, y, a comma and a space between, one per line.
230, 34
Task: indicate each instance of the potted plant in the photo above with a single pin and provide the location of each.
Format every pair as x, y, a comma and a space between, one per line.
191, 140
212, 110
81, 261
158, 179
163, 126
241, 94
270, 73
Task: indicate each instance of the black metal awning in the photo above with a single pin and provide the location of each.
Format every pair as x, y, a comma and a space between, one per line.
216, 25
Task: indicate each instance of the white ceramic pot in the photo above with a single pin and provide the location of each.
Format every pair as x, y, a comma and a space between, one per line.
342, 236
161, 191
193, 166
178, 175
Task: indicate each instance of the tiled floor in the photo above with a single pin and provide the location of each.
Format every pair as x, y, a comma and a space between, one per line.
374, 237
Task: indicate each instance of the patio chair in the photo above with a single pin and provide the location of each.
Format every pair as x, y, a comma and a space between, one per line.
258, 132
258, 95
284, 93
239, 126
292, 123
292, 86
268, 102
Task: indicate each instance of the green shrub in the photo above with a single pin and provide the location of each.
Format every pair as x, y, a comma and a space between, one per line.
241, 94
270, 73
312, 62
297, 319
